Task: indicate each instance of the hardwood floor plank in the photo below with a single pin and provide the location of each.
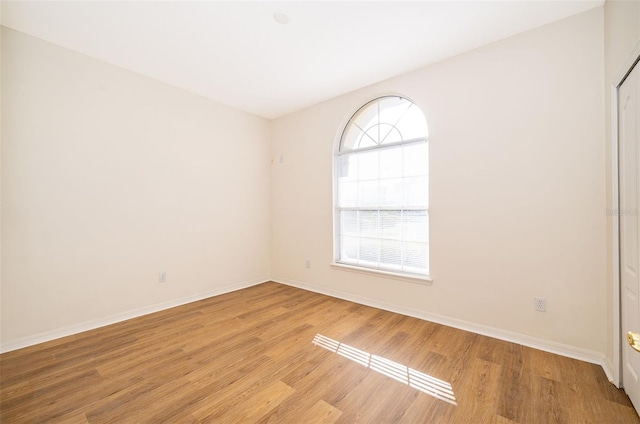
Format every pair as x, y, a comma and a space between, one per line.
516, 384
321, 413
202, 391
254, 408
249, 356
477, 395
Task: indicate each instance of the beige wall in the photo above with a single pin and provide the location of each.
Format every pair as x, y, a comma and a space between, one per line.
517, 189
108, 178
622, 33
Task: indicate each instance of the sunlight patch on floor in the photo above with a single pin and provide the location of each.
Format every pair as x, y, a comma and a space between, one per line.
420, 381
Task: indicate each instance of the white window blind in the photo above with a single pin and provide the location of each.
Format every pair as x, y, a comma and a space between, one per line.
382, 203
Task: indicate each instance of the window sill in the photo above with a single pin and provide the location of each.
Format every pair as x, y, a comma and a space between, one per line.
418, 279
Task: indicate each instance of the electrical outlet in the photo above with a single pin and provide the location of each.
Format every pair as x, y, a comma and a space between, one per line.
540, 304
163, 277
307, 263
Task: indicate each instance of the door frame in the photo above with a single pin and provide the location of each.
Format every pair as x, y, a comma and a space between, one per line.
621, 76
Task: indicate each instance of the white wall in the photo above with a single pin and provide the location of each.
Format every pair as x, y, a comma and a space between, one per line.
622, 33
517, 189
108, 178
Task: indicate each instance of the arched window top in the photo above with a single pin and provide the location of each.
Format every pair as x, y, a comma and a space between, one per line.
384, 121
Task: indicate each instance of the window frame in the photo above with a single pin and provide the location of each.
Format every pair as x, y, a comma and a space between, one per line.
336, 263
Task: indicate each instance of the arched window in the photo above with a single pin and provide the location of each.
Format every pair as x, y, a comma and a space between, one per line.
382, 189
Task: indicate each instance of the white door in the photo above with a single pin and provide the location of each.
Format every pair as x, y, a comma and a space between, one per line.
629, 184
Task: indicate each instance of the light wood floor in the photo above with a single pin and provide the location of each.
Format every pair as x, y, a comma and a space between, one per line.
249, 356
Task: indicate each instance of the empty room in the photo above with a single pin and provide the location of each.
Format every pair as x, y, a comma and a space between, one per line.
319, 212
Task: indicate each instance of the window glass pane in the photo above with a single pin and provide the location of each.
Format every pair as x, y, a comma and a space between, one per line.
413, 125
392, 111
368, 193
351, 138
349, 223
369, 165
416, 159
368, 224
393, 108
391, 225
369, 251
391, 255
390, 134
416, 226
416, 192
391, 162
391, 192
367, 118
368, 139
416, 256
348, 167
349, 249
347, 194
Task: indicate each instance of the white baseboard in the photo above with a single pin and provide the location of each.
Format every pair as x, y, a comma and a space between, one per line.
608, 368
134, 313
510, 336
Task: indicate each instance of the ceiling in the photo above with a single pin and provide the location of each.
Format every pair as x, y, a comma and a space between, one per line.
236, 53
